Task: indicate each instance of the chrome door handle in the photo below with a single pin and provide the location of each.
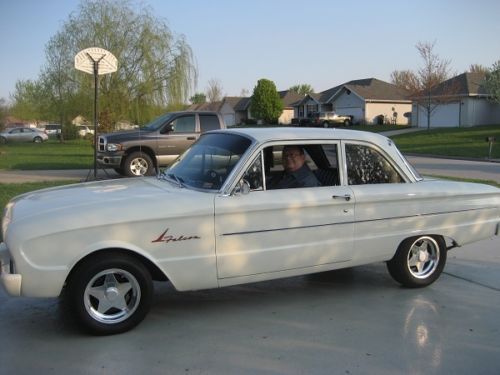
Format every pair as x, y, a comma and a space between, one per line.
347, 197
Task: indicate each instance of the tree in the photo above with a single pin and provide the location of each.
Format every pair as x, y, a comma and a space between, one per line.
266, 103
198, 98
492, 82
214, 91
302, 89
4, 110
478, 68
155, 67
420, 84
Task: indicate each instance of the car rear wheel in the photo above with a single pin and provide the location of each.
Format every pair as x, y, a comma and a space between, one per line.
38, 140
109, 294
138, 164
3, 140
347, 122
326, 124
418, 261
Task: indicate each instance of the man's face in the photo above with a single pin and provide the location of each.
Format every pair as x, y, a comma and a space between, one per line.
293, 159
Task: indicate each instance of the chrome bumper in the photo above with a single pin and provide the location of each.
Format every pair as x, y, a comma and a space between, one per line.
10, 281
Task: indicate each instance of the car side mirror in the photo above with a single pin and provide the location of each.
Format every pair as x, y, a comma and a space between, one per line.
169, 128
242, 187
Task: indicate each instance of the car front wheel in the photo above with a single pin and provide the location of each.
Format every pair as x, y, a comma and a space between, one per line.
138, 164
418, 261
109, 294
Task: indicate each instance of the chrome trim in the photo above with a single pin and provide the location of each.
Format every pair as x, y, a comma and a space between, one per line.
357, 222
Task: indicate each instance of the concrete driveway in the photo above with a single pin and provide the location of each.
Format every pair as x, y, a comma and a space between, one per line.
355, 321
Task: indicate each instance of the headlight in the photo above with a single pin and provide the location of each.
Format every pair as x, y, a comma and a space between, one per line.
113, 147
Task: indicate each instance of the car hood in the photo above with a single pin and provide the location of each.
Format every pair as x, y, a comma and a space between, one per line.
106, 202
127, 135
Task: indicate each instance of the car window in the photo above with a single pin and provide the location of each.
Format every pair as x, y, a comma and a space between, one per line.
253, 175
207, 163
365, 165
184, 124
209, 122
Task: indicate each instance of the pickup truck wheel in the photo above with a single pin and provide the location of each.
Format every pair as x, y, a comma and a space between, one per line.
418, 261
347, 122
326, 124
138, 164
110, 294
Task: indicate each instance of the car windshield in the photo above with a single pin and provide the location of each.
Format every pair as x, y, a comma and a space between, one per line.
158, 122
208, 162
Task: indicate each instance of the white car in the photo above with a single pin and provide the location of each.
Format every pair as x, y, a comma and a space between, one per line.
83, 130
210, 221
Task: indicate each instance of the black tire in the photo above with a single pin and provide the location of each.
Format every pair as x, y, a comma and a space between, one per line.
37, 140
326, 124
347, 122
138, 164
109, 294
418, 261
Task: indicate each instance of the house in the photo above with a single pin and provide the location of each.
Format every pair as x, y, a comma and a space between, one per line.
368, 101
459, 101
236, 110
223, 107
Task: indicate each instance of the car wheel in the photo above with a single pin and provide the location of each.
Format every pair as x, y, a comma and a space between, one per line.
3, 140
326, 124
138, 164
38, 140
418, 261
109, 294
347, 122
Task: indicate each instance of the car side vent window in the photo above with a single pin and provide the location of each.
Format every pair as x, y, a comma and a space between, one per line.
366, 165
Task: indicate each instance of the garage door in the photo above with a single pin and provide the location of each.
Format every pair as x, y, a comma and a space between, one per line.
443, 116
229, 119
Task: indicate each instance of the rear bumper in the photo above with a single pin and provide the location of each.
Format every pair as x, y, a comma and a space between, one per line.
11, 281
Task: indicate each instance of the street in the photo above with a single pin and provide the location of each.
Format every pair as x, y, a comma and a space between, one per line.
354, 321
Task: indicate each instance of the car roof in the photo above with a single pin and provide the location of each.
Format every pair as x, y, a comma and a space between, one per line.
262, 135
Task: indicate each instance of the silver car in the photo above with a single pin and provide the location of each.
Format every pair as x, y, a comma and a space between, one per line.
23, 135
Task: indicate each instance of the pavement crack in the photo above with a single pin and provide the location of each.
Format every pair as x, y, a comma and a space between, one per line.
473, 282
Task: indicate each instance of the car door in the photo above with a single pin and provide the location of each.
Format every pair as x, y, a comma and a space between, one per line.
175, 137
384, 201
16, 135
268, 231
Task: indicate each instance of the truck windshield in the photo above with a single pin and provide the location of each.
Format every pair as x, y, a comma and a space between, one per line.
158, 122
209, 161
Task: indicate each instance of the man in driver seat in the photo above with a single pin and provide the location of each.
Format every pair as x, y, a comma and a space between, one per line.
296, 173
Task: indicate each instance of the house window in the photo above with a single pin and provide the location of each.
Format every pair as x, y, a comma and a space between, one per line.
311, 108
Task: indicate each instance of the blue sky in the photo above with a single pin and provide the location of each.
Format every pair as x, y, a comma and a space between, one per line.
319, 42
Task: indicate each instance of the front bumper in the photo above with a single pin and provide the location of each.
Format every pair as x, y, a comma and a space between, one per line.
112, 161
9, 280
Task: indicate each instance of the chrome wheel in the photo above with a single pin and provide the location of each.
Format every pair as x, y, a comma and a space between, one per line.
419, 261
112, 296
138, 164
139, 167
423, 257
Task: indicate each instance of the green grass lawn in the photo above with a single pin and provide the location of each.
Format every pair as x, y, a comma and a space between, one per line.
75, 154
460, 142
